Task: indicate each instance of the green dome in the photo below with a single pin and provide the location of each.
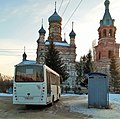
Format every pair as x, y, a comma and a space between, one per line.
72, 34
24, 56
42, 31
55, 17
107, 19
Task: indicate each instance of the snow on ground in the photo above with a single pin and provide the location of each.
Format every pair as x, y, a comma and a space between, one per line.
81, 106
115, 98
79, 103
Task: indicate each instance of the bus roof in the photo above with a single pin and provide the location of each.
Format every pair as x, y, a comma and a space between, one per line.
51, 70
33, 62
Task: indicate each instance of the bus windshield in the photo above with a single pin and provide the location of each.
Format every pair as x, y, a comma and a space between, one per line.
29, 73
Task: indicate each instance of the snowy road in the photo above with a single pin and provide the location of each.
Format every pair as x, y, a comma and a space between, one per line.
77, 108
80, 104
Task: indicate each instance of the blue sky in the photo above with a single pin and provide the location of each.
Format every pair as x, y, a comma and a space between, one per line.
20, 21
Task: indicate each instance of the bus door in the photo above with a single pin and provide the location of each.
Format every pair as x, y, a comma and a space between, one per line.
48, 86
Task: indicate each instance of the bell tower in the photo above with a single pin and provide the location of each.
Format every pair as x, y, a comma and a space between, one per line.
107, 46
55, 26
72, 44
41, 46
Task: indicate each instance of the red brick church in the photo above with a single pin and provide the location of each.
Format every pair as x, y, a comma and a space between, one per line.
67, 51
106, 42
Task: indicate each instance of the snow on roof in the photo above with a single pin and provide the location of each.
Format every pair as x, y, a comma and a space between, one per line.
27, 62
58, 43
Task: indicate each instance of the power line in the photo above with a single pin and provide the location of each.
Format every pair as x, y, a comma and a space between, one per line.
13, 52
60, 6
16, 55
4, 54
66, 7
16, 52
72, 14
10, 55
17, 49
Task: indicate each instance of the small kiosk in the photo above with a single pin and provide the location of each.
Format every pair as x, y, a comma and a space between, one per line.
98, 90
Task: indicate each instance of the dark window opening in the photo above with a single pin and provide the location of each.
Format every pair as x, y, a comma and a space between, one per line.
110, 54
104, 33
110, 32
99, 34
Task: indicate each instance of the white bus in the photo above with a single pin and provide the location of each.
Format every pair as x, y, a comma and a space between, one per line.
35, 84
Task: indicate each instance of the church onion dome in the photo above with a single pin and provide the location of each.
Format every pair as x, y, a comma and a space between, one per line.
42, 31
107, 19
55, 17
72, 34
24, 56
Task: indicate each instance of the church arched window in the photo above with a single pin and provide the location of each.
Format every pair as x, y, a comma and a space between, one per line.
110, 54
110, 32
100, 34
104, 33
